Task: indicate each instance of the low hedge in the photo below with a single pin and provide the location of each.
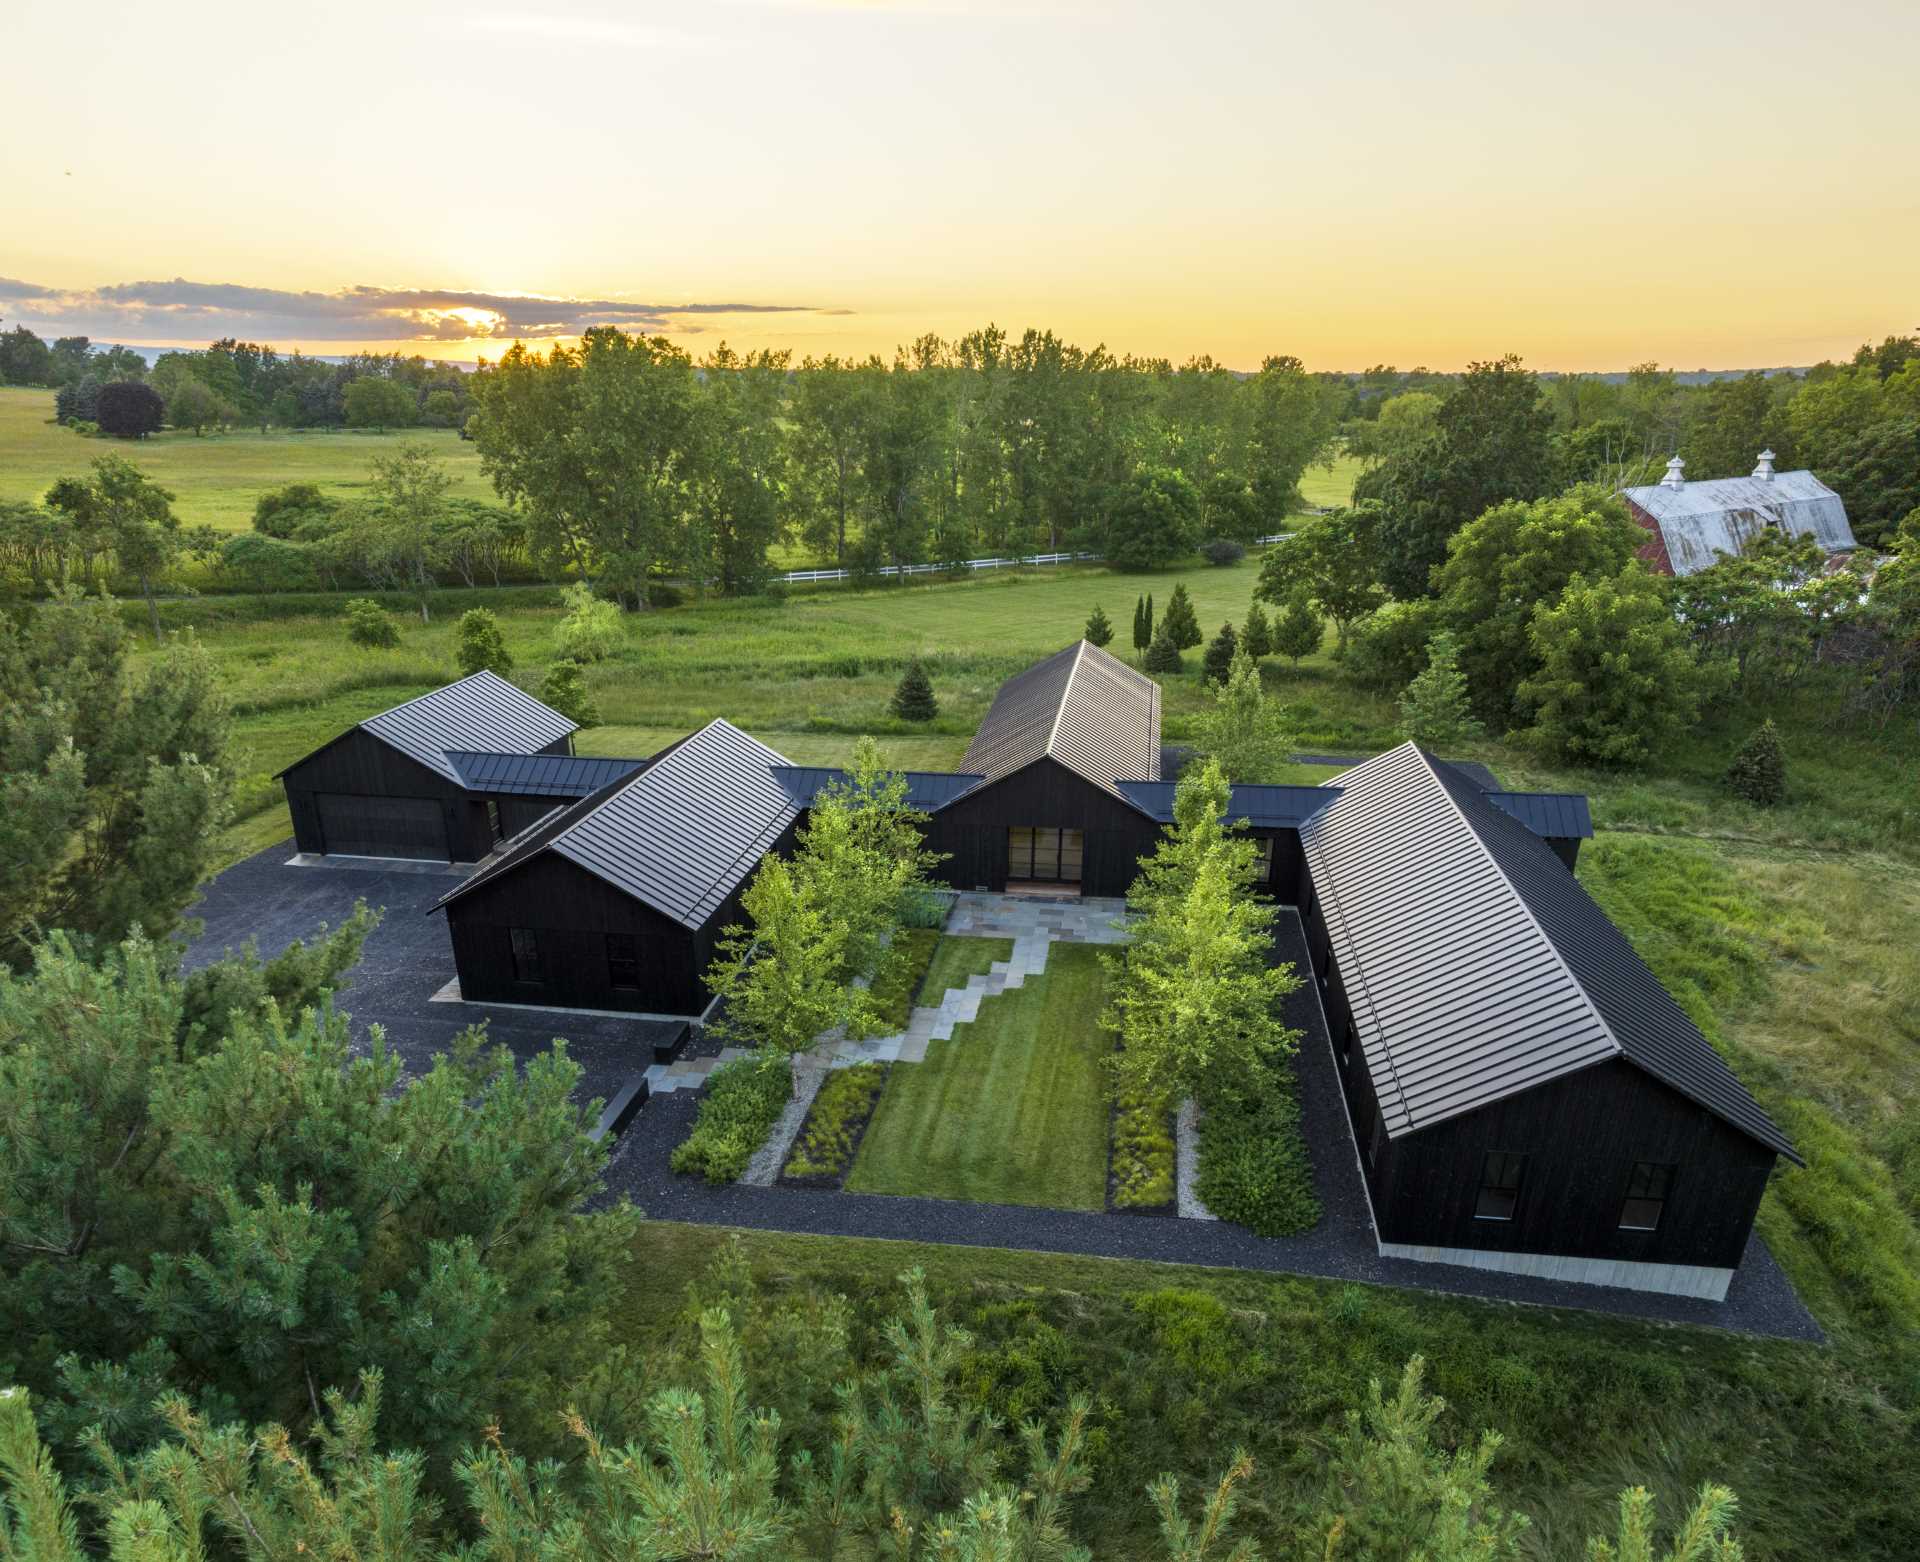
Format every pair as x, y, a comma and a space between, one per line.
831, 1133
743, 1100
1143, 1154
900, 976
1253, 1159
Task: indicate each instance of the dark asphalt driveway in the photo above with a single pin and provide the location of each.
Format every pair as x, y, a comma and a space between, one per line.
406, 961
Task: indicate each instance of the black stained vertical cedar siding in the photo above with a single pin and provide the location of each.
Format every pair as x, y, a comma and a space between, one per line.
1581, 1134
571, 911
1047, 795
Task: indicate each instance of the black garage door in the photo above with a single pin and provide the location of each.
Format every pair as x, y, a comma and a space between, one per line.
382, 826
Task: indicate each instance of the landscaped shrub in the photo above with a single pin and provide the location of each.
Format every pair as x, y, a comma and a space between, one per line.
1218, 661
1163, 656
591, 630
743, 1100
565, 689
923, 907
831, 1133
479, 645
1099, 630
913, 699
1143, 1154
1253, 1160
1223, 551
369, 624
1181, 621
1759, 771
900, 975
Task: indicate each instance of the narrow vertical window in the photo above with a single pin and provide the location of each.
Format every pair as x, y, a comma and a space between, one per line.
1647, 1187
1263, 856
1499, 1186
623, 960
493, 820
526, 955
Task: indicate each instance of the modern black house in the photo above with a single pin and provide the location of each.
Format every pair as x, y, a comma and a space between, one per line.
617, 901
445, 777
1524, 1094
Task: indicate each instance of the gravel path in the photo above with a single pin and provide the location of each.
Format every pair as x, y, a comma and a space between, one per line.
764, 1169
1186, 1163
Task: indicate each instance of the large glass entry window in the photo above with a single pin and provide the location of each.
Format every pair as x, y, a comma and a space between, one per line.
1050, 856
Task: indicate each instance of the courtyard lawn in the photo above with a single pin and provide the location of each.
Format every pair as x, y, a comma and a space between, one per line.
1012, 1110
955, 959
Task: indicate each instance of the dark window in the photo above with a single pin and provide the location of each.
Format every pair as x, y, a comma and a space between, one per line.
526, 955
623, 960
1646, 1196
1263, 856
1499, 1186
493, 820
1050, 855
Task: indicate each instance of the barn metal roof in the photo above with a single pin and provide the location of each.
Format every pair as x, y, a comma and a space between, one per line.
1560, 815
1083, 707
680, 835
1701, 520
479, 712
1269, 807
1477, 966
926, 789
537, 775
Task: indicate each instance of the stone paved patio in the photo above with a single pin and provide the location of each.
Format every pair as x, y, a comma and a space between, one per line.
686, 1073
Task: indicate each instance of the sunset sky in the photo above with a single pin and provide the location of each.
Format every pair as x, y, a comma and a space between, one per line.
1357, 181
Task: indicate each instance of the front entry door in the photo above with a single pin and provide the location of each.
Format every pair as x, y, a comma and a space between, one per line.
1046, 856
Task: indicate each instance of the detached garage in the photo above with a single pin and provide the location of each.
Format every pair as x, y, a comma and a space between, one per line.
391, 786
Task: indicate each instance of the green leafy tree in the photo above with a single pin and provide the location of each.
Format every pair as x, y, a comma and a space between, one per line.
739, 473
832, 403
369, 624
1616, 677
1256, 634
565, 689
1163, 656
375, 402
130, 514
1739, 419
1877, 473
1298, 631
402, 532
1195, 1003
1759, 770
1099, 630
1510, 559
590, 631
1181, 621
113, 782
1243, 731
913, 696
479, 644
1218, 661
282, 512
193, 405
1292, 422
1334, 560
1155, 520
1405, 421
1435, 710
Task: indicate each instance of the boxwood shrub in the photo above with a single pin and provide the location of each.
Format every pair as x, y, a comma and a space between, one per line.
744, 1099
1253, 1160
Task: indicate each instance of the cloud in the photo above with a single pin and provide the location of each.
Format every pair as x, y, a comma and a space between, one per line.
184, 311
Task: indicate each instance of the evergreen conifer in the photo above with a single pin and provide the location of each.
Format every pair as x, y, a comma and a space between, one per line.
1759, 771
1099, 630
913, 700
1181, 619
1163, 656
1218, 661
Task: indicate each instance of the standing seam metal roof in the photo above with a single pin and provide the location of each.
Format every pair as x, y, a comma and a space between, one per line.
1262, 806
538, 775
1477, 966
680, 835
1561, 815
1081, 706
926, 789
479, 712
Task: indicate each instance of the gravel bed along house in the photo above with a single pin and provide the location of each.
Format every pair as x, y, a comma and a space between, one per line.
1186, 1162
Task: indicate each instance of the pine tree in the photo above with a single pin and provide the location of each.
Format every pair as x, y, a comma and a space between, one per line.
480, 646
565, 690
1434, 709
913, 699
1256, 635
1298, 631
1098, 631
1218, 661
1759, 771
1181, 619
1163, 656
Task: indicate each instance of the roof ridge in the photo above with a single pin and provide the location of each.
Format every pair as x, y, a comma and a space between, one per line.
1519, 899
1066, 693
428, 694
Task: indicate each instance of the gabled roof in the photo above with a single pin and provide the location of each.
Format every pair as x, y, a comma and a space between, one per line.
1476, 966
1269, 807
481, 711
1560, 815
537, 775
1082, 707
926, 789
1701, 520
680, 835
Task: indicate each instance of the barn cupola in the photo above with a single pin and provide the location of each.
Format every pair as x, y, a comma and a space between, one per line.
1675, 478
1763, 466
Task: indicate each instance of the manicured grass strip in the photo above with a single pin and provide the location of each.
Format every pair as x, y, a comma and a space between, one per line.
744, 1099
1013, 1109
899, 979
956, 958
1142, 1155
832, 1129
1253, 1160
